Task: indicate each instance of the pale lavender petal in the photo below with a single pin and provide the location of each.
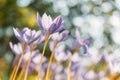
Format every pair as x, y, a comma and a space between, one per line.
50, 19
37, 35
24, 30
27, 36
39, 21
18, 34
33, 33
16, 48
38, 41
46, 22
11, 45
26, 39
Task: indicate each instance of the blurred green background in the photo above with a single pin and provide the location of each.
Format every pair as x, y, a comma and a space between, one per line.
98, 19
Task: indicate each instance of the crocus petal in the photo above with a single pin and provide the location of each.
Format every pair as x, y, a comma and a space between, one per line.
39, 21
85, 49
59, 28
11, 45
27, 36
37, 35
58, 21
46, 22
18, 34
52, 28
26, 39
16, 48
65, 35
87, 41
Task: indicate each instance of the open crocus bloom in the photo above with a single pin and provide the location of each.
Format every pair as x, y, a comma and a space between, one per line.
48, 25
81, 43
16, 48
28, 36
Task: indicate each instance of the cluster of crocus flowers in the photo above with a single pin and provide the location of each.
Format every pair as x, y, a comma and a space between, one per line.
29, 59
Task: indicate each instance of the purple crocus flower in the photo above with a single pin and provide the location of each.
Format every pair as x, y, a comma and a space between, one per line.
16, 48
62, 36
28, 36
48, 25
81, 43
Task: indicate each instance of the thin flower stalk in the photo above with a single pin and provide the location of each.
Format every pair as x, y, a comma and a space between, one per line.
69, 64
50, 61
13, 72
27, 66
112, 77
19, 62
22, 71
43, 52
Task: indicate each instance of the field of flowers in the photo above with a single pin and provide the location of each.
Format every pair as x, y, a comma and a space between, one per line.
64, 40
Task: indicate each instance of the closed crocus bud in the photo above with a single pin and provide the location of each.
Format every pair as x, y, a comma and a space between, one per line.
28, 36
48, 25
62, 36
